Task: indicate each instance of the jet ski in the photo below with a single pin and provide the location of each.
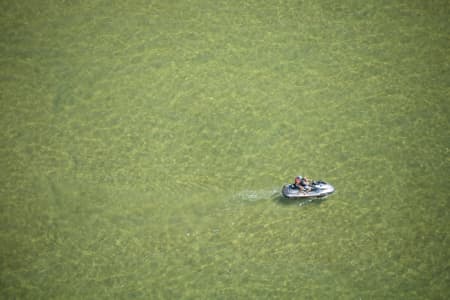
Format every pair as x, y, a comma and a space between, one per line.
318, 189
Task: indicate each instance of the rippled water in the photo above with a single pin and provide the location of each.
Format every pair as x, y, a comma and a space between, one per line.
144, 147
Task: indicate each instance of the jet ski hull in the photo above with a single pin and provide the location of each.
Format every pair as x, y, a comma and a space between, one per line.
319, 189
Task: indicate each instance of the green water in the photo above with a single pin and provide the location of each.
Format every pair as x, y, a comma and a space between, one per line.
144, 145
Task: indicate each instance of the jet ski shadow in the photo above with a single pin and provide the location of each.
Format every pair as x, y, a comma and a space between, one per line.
281, 200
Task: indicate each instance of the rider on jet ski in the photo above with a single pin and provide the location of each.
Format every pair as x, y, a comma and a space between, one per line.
302, 184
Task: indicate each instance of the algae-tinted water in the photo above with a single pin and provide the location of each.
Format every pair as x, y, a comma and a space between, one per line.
144, 145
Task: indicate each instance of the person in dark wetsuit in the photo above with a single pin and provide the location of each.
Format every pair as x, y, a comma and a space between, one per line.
302, 184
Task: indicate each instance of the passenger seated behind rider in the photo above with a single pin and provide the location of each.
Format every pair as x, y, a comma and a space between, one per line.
302, 184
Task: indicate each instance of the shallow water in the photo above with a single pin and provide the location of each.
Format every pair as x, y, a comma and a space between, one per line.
144, 147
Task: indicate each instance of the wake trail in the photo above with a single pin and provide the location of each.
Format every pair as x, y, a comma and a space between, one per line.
250, 195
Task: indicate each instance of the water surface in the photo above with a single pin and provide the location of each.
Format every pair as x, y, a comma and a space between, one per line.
144, 146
